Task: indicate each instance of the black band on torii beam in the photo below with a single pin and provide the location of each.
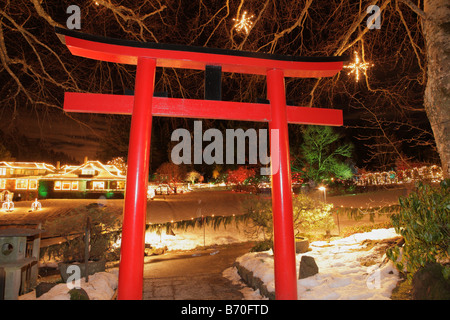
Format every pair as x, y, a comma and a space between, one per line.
213, 83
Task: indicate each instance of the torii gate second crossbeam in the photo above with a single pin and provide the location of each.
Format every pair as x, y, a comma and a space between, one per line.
143, 106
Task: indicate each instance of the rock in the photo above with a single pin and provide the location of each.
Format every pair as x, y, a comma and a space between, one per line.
429, 283
150, 251
308, 267
301, 245
78, 294
93, 267
249, 279
44, 287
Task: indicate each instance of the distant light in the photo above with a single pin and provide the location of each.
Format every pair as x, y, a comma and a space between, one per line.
8, 205
36, 205
322, 188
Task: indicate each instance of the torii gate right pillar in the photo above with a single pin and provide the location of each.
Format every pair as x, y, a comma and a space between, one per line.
283, 228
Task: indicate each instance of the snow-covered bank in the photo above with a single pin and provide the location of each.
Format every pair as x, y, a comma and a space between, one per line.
197, 237
348, 270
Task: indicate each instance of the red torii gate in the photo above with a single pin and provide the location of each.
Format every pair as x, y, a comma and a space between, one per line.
143, 106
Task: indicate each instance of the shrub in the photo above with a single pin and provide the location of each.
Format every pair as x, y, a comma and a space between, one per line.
424, 222
193, 176
259, 222
169, 172
240, 175
104, 232
309, 215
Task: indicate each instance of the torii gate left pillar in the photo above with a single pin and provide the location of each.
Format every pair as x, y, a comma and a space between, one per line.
143, 106
133, 227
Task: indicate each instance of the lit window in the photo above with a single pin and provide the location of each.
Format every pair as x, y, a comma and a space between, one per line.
66, 185
2, 184
88, 172
120, 184
57, 185
98, 185
33, 185
74, 185
22, 184
3, 171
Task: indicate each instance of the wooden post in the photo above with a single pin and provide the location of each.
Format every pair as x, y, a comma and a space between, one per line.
87, 240
131, 270
283, 222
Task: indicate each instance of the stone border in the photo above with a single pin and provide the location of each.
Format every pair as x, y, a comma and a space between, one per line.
254, 282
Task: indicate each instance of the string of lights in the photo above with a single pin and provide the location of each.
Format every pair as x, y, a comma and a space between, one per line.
244, 24
358, 67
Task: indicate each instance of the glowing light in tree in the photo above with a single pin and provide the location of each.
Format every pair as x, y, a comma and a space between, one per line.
358, 66
244, 24
119, 163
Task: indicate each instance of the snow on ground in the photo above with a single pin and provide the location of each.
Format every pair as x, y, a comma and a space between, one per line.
101, 286
341, 275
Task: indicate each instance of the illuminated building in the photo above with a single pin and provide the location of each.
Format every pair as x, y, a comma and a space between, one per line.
21, 178
92, 179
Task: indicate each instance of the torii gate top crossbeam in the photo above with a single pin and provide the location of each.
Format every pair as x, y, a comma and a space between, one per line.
188, 57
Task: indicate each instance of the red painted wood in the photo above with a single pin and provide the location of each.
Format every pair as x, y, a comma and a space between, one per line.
143, 106
197, 60
201, 109
131, 270
283, 222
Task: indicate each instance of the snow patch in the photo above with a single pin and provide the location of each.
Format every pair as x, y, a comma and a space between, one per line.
341, 275
101, 286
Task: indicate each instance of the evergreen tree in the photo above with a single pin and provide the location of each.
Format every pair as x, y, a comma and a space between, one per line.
324, 153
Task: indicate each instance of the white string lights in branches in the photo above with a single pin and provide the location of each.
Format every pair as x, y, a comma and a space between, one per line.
358, 66
244, 24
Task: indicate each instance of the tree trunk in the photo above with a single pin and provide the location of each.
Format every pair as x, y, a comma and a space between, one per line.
436, 29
